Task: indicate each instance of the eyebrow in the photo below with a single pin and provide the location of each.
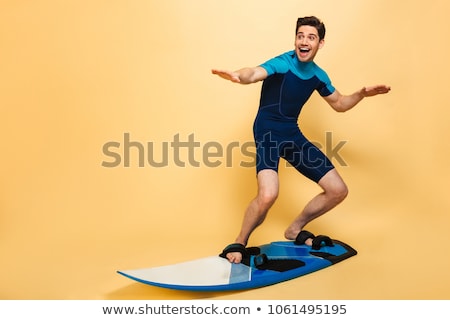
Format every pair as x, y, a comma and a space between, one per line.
309, 34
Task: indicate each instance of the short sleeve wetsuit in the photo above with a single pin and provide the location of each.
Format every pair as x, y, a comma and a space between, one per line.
286, 89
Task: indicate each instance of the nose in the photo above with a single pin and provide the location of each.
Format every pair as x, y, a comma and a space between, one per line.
303, 40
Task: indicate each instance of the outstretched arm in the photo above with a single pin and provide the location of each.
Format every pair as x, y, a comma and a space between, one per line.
342, 103
242, 76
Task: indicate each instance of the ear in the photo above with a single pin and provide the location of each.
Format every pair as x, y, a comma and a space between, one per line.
321, 43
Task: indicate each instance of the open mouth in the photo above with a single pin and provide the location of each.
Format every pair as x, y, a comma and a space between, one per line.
304, 50
303, 53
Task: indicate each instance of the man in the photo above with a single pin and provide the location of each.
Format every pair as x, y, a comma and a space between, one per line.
289, 81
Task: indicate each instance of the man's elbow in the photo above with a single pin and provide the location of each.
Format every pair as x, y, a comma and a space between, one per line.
341, 109
338, 107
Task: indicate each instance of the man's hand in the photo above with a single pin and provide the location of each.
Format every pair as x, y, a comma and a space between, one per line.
227, 75
342, 103
374, 90
243, 76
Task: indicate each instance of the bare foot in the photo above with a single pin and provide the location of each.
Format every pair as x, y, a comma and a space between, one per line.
292, 235
308, 242
234, 252
234, 257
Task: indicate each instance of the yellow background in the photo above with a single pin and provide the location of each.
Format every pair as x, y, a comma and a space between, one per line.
75, 75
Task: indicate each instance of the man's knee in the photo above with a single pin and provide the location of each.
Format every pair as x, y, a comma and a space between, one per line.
343, 191
334, 186
267, 188
266, 198
338, 191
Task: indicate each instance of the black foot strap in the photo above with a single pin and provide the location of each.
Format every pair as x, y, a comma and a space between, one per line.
234, 247
303, 236
319, 240
238, 247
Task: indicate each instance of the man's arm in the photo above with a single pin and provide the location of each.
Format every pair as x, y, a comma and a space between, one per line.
243, 76
342, 103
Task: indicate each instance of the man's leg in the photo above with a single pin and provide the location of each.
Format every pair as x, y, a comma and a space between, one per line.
334, 191
257, 210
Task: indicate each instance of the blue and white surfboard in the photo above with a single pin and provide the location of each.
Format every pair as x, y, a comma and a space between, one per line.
284, 261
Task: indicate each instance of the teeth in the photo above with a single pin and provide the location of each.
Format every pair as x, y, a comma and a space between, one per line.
304, 49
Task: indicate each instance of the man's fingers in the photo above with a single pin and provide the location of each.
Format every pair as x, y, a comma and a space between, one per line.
227, 75
379, 89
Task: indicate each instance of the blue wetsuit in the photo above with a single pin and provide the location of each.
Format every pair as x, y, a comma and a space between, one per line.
288, 86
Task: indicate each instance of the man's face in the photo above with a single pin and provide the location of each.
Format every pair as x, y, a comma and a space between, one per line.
307, 43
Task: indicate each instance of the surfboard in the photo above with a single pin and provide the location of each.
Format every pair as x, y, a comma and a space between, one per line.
275, 262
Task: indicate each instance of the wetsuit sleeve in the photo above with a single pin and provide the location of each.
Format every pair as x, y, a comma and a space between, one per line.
276, 65
325, 87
